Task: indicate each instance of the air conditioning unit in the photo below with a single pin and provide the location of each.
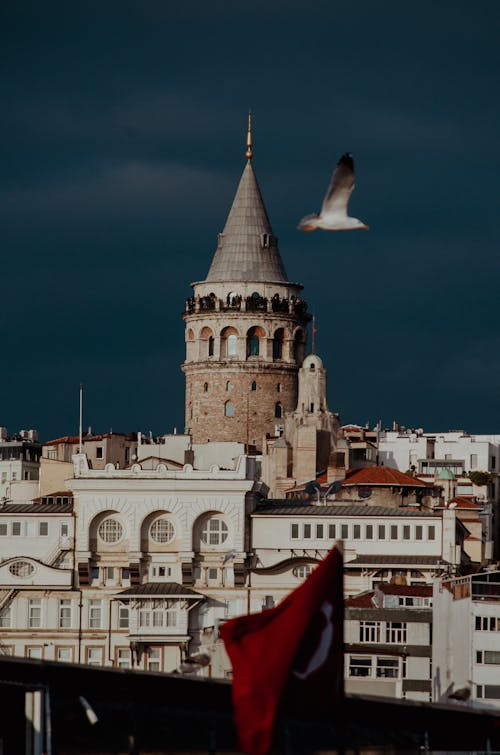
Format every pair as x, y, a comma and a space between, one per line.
279, 430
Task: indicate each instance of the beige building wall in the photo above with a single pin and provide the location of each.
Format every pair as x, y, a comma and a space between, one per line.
53, 475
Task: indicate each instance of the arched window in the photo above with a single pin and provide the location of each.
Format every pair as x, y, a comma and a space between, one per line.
253, 341
110, 530
278, 344
229, 342
278, 410
301, 572
205, 387
214, 532
229, 386
162, 531
228, 409
211, 342
253, 345
298, 346
254, 386
278, 387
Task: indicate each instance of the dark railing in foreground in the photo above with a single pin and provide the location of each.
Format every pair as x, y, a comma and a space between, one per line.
89, 710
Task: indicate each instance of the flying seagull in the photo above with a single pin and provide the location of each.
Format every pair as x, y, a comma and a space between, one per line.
333, 215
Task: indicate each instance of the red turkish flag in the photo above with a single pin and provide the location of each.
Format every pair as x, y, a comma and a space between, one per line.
295, 649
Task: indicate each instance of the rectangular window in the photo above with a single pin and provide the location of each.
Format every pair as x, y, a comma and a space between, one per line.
3, 529
153, 661
125, 573
98, 452
307, 531
369, 631
369, 532
34, 651
406, 532
144, 618
396, 632
381, 531
123, 617
16, 528
171, 613
394, 531
473, 461
387, 668
94, 656
123, 658
295, 532
431, 532
487, 623
95, 613
319, 531
64, 654
94, 573
356, 532
64, 529
212, 574
344, 531
35, 613
418, 532
6, 617
331, 531
65, 617
43, 528
360, 665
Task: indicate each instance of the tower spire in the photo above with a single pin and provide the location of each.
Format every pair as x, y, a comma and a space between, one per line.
249, 153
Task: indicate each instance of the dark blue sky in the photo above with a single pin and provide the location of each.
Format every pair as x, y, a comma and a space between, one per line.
122, 142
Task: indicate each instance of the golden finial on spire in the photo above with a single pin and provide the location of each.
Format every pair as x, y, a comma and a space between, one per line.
249, 152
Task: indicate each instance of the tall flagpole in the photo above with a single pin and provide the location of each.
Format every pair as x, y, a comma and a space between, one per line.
81, 406
313, 334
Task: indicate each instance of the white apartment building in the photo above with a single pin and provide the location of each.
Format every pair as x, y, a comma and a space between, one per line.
466, 639
388, 636
19, 465
428, 453
290, 537
132, 567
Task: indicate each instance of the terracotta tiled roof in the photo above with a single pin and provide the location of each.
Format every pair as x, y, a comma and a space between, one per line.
462, 502
382, 476
363, 600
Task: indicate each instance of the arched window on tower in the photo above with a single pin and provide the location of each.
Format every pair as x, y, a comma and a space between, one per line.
229, 342
278, 344
228, 409
253, 341
254, 386
207, 343
278, 410
229, 386
298, 346
205, 387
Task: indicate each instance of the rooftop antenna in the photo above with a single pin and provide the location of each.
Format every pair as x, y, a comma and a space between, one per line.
249, 153
80, 425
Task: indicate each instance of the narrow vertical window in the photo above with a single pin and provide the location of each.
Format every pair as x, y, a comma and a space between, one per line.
278, 410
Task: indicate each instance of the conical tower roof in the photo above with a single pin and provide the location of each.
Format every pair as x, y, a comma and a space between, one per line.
247, 249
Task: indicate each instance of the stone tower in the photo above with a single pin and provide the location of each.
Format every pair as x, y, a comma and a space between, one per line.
246, 330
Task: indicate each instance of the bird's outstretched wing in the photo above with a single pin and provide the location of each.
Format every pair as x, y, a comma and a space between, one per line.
341, 187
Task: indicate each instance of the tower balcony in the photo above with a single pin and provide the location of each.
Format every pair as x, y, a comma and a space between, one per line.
294, 305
